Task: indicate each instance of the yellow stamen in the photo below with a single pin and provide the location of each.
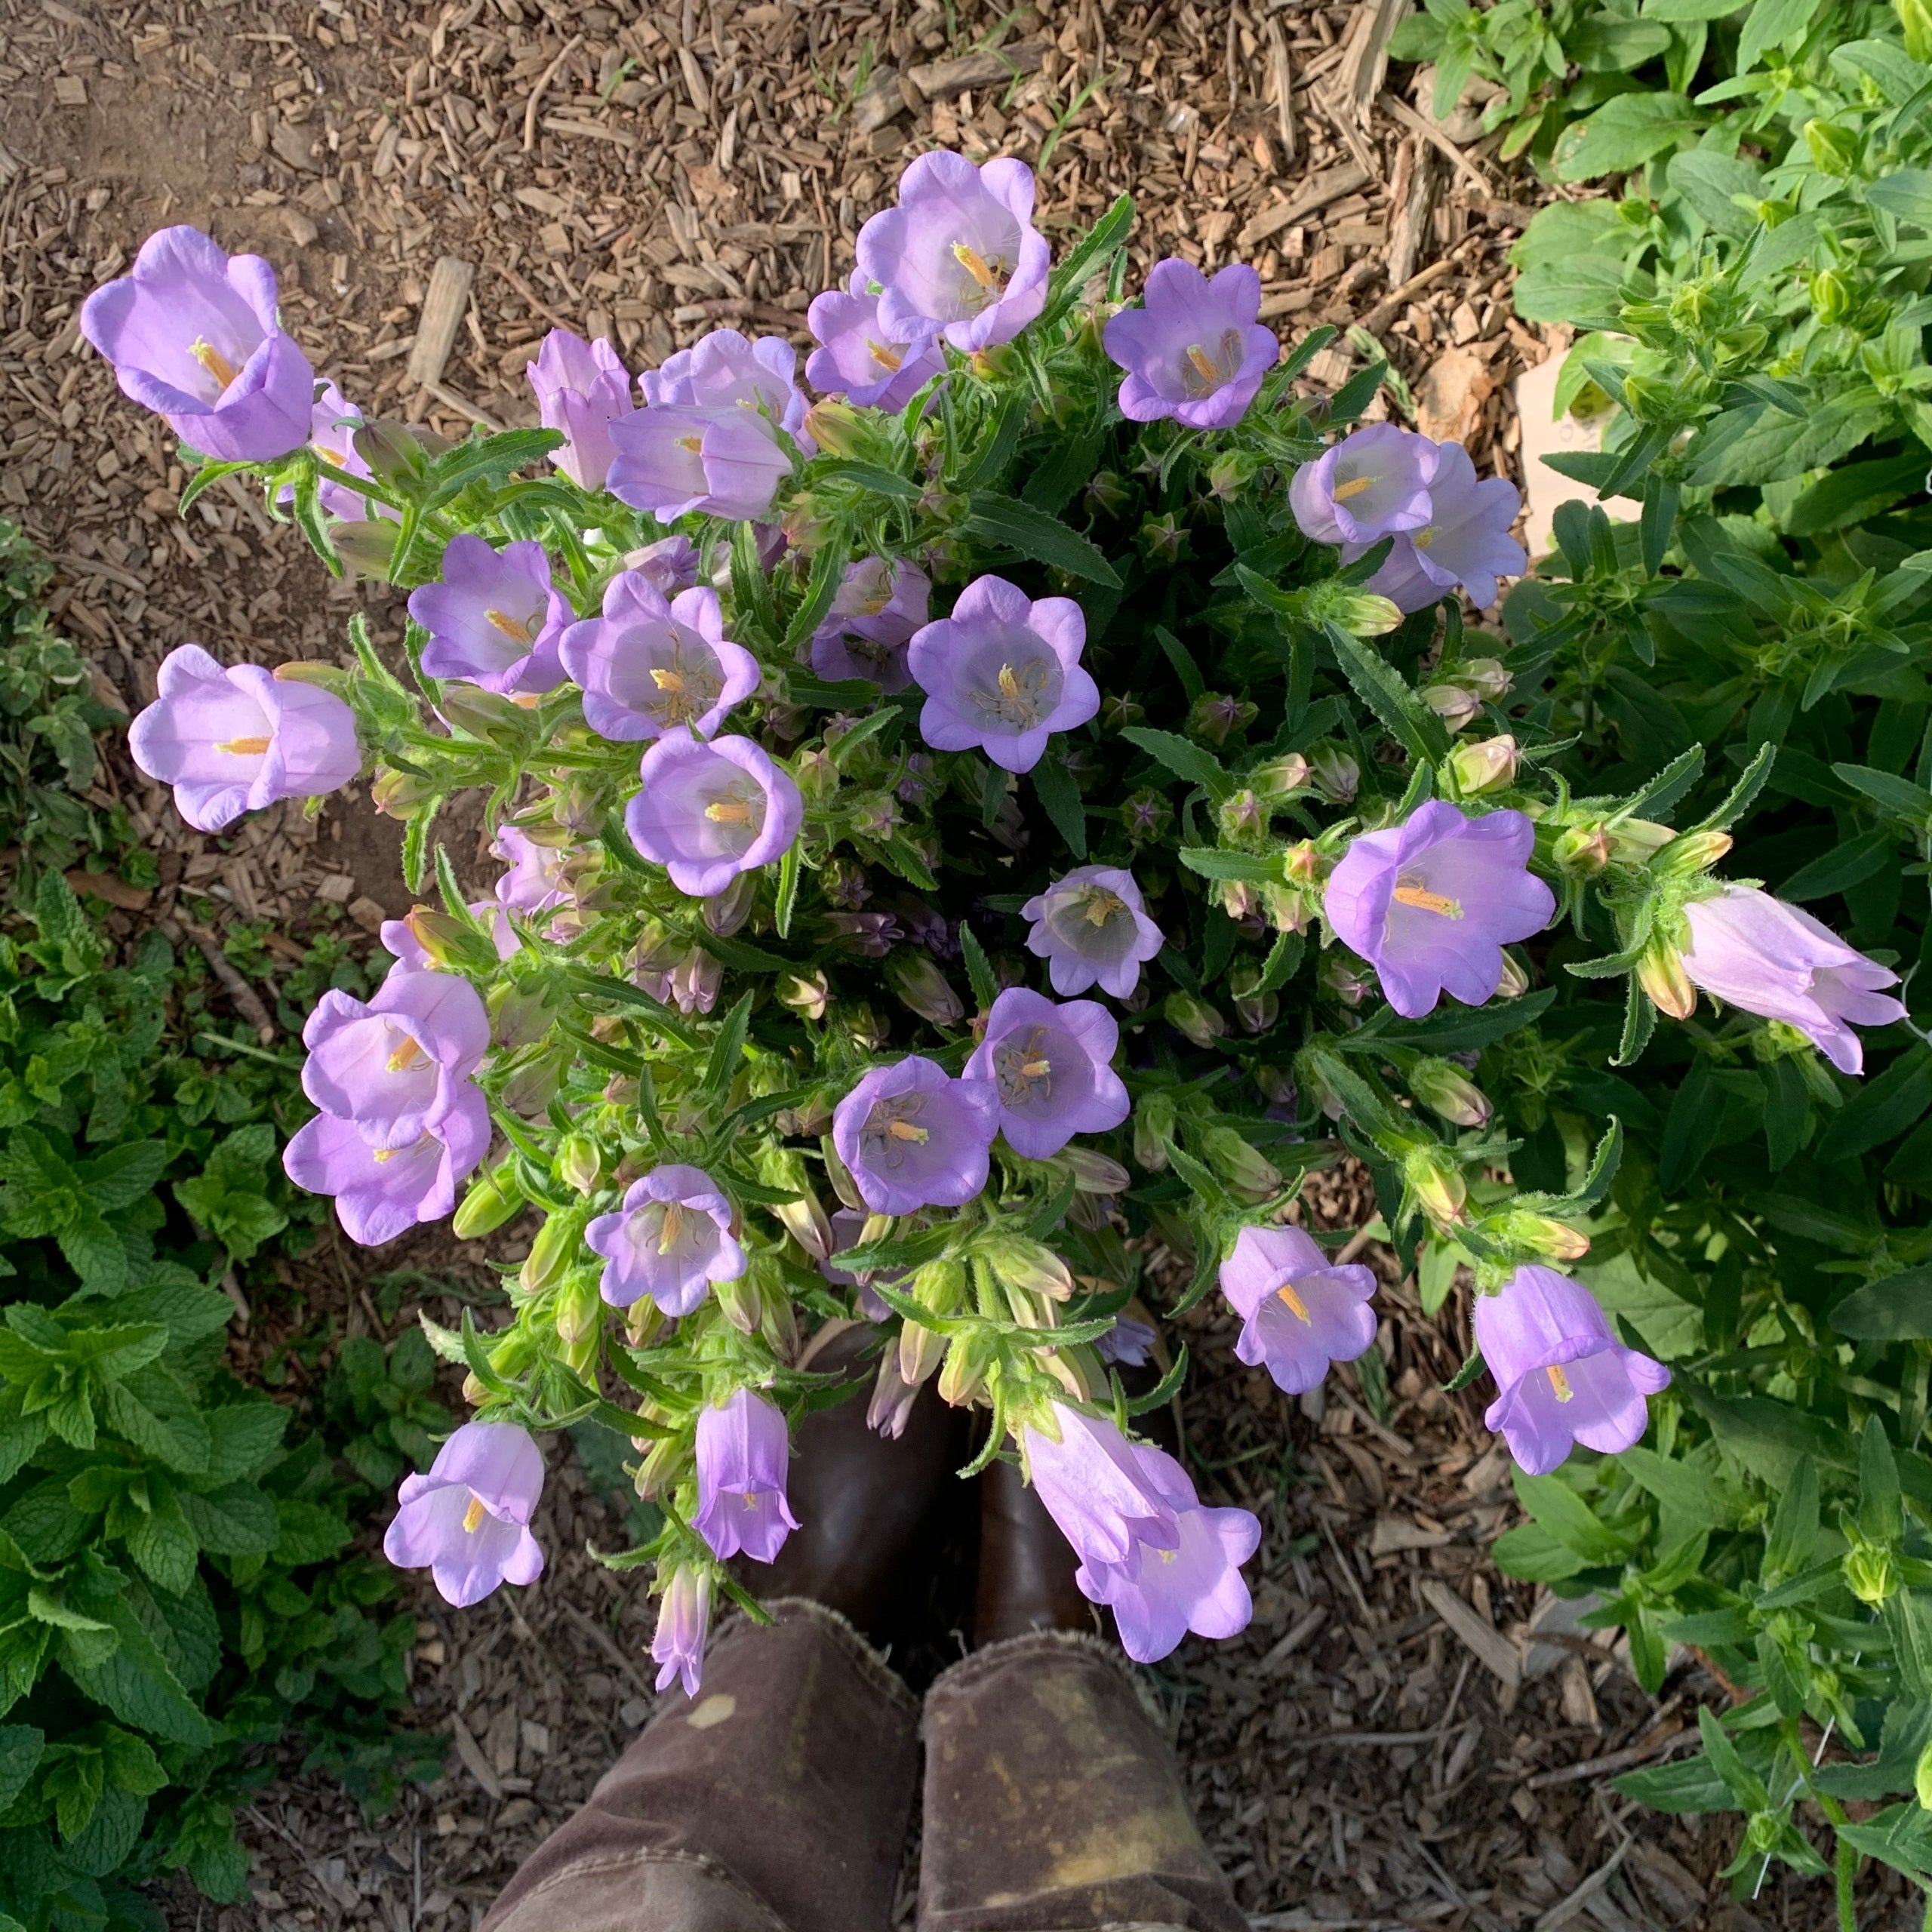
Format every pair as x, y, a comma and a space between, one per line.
1426, 901
1009, 683
904, 1129
674, 1226
887, 355
695, 443
472, 1517
975, 264
1203, 367
1103, 906
667, 680
1036, 1070
214, 362
1354, 486
408, 1057
1293, 1303
243, 747
1423, 539
1561, 1384
385, 1154
513, 628
729, 812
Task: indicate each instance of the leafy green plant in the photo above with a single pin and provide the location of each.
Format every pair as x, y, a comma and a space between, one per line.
378, 1403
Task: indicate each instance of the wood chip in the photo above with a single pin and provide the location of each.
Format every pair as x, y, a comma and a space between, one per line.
473, 1761
116, 891
442, 315
1489, 1647
1322, 189
941, 80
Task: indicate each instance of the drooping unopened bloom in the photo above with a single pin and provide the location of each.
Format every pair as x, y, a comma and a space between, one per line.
535, 881
742, 1450
192, 335
1562, 1375
912, 1137
381, 1192
232, 741
671, 1240
1465, 541
891, 1406
396, 1065
1099, 1488
467, 1522
727, 371
1369, 485
1051, 1066
671, 564
959, 254
1002, 673
857, 358
582, 388
1431, 904
1092, 929
674, 972
684, 1620
709, 812
647, 666
877, 608
399, 939
1196, 350
1759, 954
493, 619
726, 461
1299, 1310
1128, 1342
334, 422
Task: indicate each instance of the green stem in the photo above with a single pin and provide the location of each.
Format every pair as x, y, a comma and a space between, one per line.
1847, 1870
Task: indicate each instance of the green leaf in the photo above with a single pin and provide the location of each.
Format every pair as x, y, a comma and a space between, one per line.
1086, 258
1892, 1103
308, 1533
1691, 1784
1898, 1308
1845, 865
1058, 793
1400, 709
979, 968
122, 1176
20, 1746
165, 1549
238, 1520
1625, 133
1899, 1836
137, 1684
1898, 796
1182, 756
1769, 22
1709, 181
1568, 1518
1794, 1529
1255, 868
1011, 525
1530, 1552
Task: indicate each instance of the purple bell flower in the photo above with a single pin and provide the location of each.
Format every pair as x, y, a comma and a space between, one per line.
1196, 350
494, 619
959, 254
1762, 956
1465, 540
1092, 929
333, 424
725, 371
233, 741
647, 666
684, 1620
396, 1065
582, 388
1051, 1066
911, 1137
709, 812
1099, 1488
1431, 904
192, 335
1299, 1310
381, 1192
535, 881
467, 1522
743, 1451
671, 1240
1129, 1343
671, 564
1562, 1375
1002, 673
856, 358
876, 610
1368, 486
726, 461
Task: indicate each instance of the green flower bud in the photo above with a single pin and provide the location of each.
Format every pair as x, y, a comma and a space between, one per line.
1915, 18
1109, 494
557, 1242
1029, 1266
838, 428
1214, 714
1584, 850
1255, 1011
1834, 149
1146, 815
1230, 474
1282, 778
1153, 1127
579, 1309
1163, 540
1871, 1571
923, 988
1553, 1240
489, 715
1191, 1015
400, 794
1921, 1779
1336, 775
842, 1183
1515, 981
1695, 852
1483, 765
921, 1349
963, 1374
1454, 704
1361, 613
1635, 841
1445, 1089
939, 1287
492, 1199
743, 1305
1249, 1175
367, 547
804, 993
1094, 1172
1831, 297
1243, 816
1438, 1187
1661, 974
579, 1162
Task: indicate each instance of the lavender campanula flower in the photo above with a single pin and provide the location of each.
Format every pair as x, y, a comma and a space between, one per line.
674, 972
192, 334
582, 388
334, 422
1050, 1065
535, 881
397, 1064
1562, 1375
1002, 673
1760, 955
1098, 1486
1092, 929
1465, 542
742, 1450
233, 741
875, 612
381, 1192
671, 564
959, 254
1299, 1310
848, 1225
647, 666
727, 371
493, 619
725, 461
671, 1240
709, 812
912, 1137
1129, 1343
467, 1522
683, 1621
855, 358
891, 1406
1431, 904
1195, 352
1372, 484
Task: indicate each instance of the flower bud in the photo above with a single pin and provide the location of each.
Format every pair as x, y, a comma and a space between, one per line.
1336, 775
661, 1470
1834, 149
400, 794
724, 913
869, 1032
838, 428
1554, 1240
557, 1242
1454, 704
1483, 765
1445, 1089
1360, 613
1118, 709
842, 1184
1255, 1011
1248, 1173
920, 1350
1486, 677
817, 776
642, 1320
1108, 493
579, 1162
579, 1309
741, 1303
1191, 1015
1831, 297
1635, 841
1229, 475
804, 993
1583, 849
1695, 852
1153, 1127
1922, 1775
1915, 18
366, 547
1345, 977
921, 986
1243, 816
1871, 1572
940, 1286
324, 677
1094, 1172
486, 714
492, 1199
395, 451
1213, 715
803, 1218
448, 942
512, 1353
963, 1373
1277, 1084
1162, 538
1282, 777
1515, 983
1146, 815
1438, 1186
1235, 897
520, 1012
1029, 1266
1661, 974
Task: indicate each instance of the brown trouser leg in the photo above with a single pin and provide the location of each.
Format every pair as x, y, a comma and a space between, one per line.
777, 1801
1052, 1803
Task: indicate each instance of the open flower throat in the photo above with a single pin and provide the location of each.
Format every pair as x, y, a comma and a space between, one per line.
892, 1129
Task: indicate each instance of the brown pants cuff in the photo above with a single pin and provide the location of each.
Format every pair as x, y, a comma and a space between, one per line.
1052, 1803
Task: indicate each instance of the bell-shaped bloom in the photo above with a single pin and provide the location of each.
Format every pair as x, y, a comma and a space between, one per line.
647, 666
334, 422
709, 812
683, 1621
1762, 956
397, 1063
959, 254
1003, 672
671, 564
1194, 351
192, 335
582, 388
1129, 1343
670, 1241
743, 1451
1465, 542
727, 371
891, 1406
232, 741
912, 1137
855, 358
671, 459
467, 1522
1099, 1488
493, 619
1051, 1066
1430, 904
1368, 486
381, 1192
1091, 928
1161, 1591
535, 881
1562, 1375
875, 613
1299, 1310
